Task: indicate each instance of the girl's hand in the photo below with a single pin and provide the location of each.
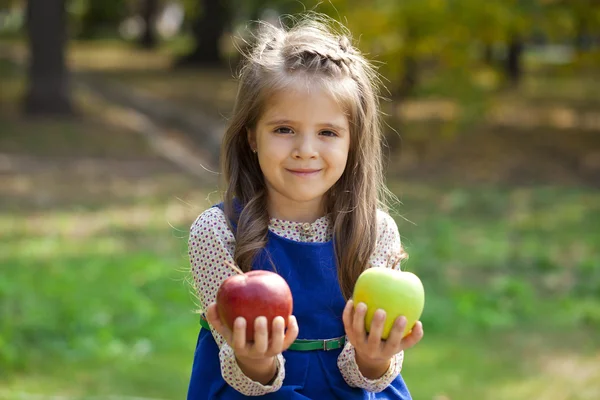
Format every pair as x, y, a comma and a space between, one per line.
372, 352
263, 348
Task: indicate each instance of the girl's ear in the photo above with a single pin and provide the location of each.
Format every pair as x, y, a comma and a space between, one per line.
251, 138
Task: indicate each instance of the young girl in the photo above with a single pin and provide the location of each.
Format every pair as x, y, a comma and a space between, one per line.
304, 186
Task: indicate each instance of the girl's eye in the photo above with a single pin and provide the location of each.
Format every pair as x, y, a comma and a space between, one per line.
329, 133
283, 130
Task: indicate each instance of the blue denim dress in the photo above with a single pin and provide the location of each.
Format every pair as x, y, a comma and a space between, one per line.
310, 271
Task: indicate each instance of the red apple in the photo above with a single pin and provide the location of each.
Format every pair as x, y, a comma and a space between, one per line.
251, 295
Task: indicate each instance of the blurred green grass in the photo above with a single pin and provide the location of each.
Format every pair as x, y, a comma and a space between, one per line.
111, 305
94, 300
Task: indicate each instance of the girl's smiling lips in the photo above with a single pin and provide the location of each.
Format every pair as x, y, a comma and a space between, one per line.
303, 171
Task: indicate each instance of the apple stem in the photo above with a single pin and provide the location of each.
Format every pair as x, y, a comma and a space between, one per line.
234, 267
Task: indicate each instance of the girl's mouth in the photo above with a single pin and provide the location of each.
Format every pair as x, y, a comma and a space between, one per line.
304, 172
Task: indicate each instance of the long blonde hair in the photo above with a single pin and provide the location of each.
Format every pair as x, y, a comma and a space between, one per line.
317, 47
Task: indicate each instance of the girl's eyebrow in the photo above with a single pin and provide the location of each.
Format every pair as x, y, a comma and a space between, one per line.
290, 122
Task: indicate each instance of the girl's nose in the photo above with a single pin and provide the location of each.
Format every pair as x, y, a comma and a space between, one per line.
305, 148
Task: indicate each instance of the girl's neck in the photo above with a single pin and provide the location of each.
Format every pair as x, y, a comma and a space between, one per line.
295, 211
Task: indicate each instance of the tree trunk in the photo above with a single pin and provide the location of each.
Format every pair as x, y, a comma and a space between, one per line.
48, 91
208, 30
149, 12
488, 54
582, 42
514, 68
410, 73
410, 77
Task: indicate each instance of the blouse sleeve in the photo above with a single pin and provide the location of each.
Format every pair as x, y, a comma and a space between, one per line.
211, 245
388, 253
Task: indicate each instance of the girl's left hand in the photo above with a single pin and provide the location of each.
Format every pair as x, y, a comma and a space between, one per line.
370, 348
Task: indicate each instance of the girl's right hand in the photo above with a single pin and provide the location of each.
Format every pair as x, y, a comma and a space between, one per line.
263, 348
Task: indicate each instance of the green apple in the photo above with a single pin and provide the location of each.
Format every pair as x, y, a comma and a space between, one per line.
396, 292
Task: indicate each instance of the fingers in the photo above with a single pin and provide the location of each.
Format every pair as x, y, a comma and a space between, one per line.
376, 330
212, 316
238, 341
261, 335
265, 343
394, 343
372, 346
292, 332
348, 314
277, 335
358, 322
414, 337
348, 318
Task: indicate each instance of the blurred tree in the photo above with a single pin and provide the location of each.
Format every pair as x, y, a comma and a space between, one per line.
212, 21
4, 4
48, 86
101, 18
149, 12
581, 18
523, 17
400, 34
412, 36
513, 65
256, 8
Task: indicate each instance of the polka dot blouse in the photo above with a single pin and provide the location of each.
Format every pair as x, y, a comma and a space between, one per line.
211, 244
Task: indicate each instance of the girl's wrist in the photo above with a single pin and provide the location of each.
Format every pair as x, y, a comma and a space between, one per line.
262, 371
372, 369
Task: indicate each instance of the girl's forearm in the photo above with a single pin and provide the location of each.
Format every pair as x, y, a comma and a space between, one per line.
262, 372
372, 370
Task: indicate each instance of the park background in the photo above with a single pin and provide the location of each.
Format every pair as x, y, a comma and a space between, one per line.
111, 114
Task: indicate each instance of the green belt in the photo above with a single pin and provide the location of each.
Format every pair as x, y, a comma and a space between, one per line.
303, 344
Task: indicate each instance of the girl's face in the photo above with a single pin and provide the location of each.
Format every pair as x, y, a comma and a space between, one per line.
302, 139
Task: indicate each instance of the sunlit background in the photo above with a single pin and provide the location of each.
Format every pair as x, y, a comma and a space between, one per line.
111, 114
